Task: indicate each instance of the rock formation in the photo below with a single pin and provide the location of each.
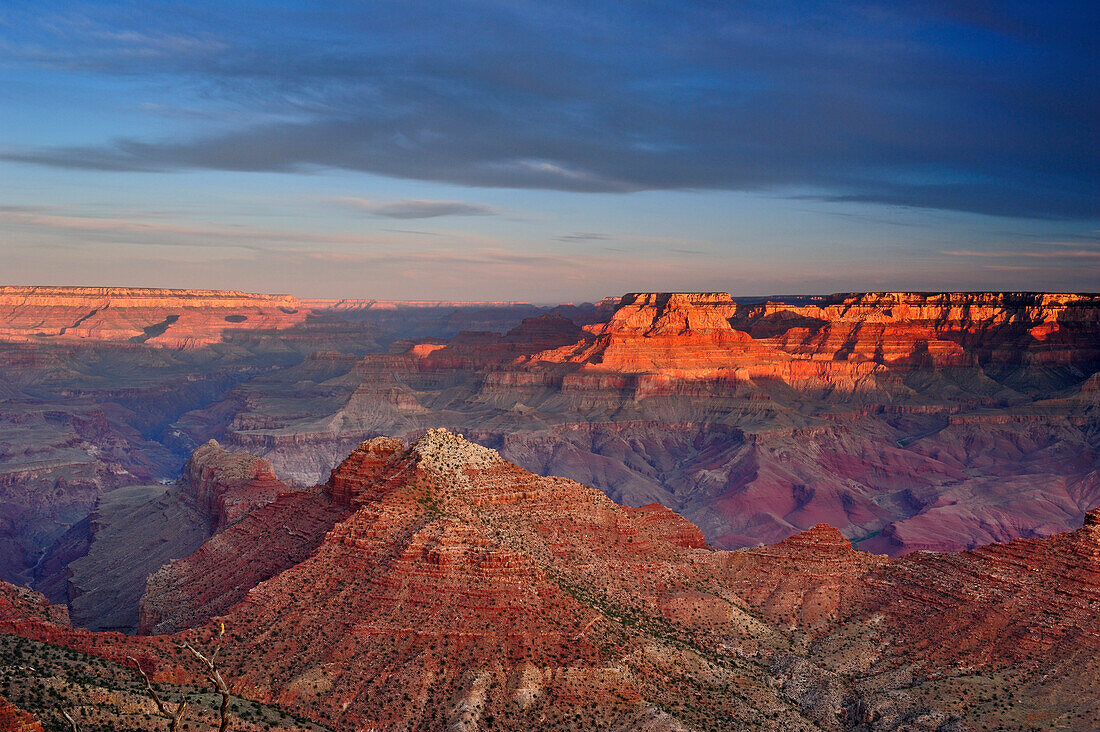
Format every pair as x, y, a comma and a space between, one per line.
172, 318
908, 420
570, 606
226, 486
452, 588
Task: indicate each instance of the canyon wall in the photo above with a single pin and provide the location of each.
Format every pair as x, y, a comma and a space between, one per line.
171, 318
908, 420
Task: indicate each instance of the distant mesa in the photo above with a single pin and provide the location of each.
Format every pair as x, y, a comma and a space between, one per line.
159, 317
167, 317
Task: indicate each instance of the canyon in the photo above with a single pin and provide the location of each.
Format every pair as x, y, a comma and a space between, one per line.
787, 499
110, 388
909, 421
450, 588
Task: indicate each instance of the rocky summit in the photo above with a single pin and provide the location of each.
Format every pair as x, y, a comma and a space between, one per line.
435, 585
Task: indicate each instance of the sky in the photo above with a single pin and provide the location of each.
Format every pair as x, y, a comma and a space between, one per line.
550, 151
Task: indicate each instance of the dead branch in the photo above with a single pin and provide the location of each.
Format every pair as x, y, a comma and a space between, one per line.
72, 722
214, 675
173, 718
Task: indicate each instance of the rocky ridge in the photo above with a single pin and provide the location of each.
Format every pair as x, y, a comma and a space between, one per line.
564, 602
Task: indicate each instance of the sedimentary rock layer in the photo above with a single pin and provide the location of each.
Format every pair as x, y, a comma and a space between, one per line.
908, 420
456, 589
172, 318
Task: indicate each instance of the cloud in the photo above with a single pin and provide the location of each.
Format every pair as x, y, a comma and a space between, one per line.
417, 209
585, 236
169, 233
143, 229
1046, 254
980, 107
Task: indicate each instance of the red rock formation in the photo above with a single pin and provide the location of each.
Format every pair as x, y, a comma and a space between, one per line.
171, 318
1027, 603
809, 580
280, 534
456, 556
708, 335
226, 486
677, 335
493, 577
14, 719
98, 686
458, 589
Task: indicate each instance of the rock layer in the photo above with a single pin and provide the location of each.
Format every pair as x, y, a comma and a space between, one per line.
226, 486
172, 318
908, 420
454, 556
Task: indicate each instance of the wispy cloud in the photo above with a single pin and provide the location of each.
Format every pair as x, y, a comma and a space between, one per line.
142, 229
1030, 254
417, 209
584, 236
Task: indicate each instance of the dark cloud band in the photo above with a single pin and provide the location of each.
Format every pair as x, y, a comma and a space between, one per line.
983, 107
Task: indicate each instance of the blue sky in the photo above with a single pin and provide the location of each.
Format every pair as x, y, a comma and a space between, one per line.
550, 151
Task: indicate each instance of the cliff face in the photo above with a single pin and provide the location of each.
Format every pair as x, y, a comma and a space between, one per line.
171, 318
259, 527
226, 486
1006, 328
188, 591
132, 531
841, 341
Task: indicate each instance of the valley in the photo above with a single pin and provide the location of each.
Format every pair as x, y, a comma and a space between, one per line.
445, 587
762, 511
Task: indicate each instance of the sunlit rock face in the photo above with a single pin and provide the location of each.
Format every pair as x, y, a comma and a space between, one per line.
910, 421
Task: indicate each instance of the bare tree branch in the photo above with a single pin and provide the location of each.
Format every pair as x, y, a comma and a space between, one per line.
214, 675
72, 722
173, 718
